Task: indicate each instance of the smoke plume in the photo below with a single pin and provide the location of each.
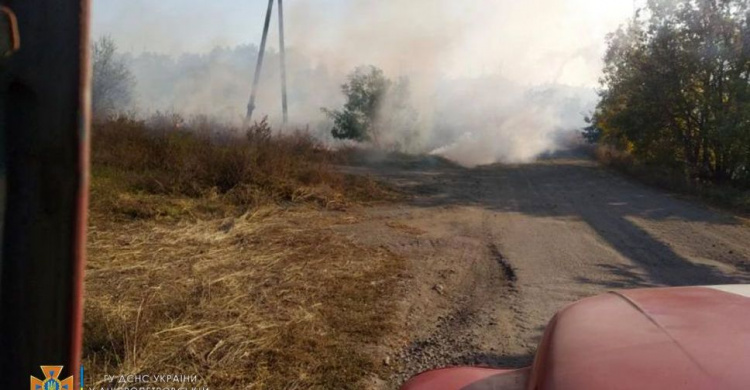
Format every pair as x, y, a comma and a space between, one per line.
489, 80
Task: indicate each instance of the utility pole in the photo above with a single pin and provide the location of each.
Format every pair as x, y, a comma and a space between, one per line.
282, 52
259, 65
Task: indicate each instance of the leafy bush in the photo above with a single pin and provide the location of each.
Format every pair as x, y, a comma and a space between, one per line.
365, 91
375, 108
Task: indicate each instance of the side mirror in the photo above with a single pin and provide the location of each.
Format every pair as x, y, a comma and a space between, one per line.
10, 40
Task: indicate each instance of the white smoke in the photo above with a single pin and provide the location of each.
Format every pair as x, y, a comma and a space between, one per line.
490, 80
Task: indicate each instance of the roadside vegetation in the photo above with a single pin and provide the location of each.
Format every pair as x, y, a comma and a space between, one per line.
216, 250
166, 167
675, 102
213, 252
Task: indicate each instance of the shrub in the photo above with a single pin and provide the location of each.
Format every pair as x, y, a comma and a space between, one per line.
244, 167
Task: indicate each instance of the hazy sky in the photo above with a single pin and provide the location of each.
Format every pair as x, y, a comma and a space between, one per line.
533, 41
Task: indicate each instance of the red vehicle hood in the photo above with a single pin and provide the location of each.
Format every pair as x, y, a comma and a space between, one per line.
677, 338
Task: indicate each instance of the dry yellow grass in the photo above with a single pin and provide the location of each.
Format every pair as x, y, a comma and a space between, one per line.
272, 299
220, 259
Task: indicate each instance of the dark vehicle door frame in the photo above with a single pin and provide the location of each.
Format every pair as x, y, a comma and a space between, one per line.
44, 114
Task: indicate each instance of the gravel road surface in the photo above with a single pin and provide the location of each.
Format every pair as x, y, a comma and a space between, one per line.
495, 251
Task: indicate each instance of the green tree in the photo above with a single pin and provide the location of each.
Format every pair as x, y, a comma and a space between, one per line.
676, 89
365, 92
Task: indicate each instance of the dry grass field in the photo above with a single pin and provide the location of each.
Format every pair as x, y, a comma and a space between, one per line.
217, 257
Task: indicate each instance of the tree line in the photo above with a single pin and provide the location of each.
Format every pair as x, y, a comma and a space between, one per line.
676, 90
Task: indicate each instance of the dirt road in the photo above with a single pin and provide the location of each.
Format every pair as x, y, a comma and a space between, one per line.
495, 251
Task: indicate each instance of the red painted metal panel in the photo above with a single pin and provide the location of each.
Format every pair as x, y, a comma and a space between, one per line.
469, 378
686, 338
78, 267
692, 338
